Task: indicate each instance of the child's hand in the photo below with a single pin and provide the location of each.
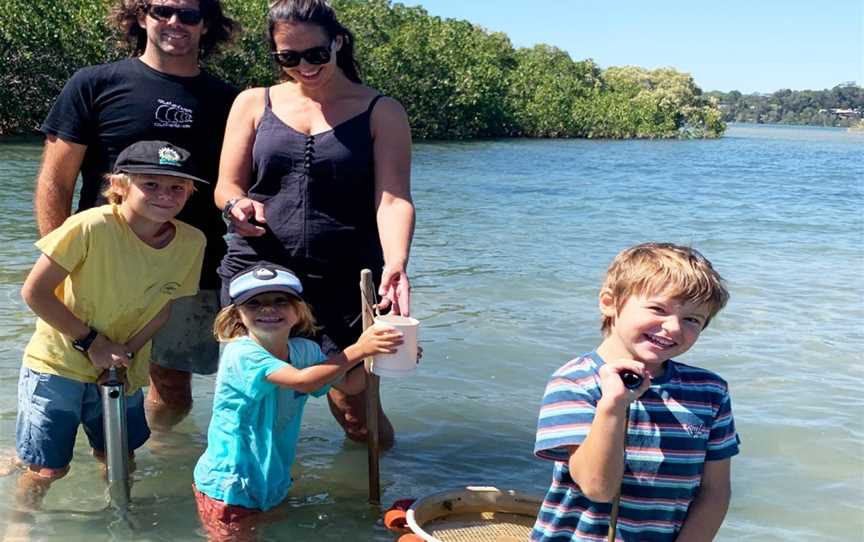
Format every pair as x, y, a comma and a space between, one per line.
379, 339
615, 393
104, 353
121, 376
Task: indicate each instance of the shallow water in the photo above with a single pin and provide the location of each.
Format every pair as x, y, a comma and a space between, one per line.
512, 241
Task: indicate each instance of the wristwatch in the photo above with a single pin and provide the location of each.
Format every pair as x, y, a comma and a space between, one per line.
84, 344
226, 211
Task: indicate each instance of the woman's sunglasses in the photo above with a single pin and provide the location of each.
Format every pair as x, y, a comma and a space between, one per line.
291, 59
187, 16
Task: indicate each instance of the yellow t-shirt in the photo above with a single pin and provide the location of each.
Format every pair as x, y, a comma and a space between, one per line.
117, 283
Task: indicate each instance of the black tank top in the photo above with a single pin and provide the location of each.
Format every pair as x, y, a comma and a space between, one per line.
318, 193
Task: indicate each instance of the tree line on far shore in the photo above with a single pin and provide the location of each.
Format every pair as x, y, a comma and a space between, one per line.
842, 105
457, 80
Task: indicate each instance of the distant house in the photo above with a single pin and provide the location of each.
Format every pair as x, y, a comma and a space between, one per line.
842, 113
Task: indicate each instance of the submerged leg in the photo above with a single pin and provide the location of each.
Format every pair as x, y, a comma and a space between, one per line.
30, 491
33, 484
169, 398
99, 455
184, 345
350, 412
227, 522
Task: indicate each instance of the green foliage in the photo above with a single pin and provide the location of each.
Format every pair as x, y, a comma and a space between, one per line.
247, 63
41, 44
813, 107
455, 79
545, 86
450, 75
664, 103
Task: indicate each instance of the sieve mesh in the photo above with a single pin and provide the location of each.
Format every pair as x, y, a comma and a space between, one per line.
481, 527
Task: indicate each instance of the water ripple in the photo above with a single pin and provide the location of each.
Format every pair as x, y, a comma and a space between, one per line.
512, 241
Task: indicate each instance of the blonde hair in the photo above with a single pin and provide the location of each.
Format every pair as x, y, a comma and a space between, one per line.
118, 184
228, 325
664, 268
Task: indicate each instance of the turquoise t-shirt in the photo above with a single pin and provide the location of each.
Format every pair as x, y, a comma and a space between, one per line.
255, 424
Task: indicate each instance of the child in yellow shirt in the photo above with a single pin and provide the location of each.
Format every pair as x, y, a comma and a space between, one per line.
101, 288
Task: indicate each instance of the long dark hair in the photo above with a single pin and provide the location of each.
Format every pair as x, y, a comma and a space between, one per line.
220, 28
317, 12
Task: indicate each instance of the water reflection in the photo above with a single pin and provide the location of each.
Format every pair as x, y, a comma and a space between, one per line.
512, 241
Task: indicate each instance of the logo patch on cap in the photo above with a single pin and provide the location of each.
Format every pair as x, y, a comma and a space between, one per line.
168, 157
264, 273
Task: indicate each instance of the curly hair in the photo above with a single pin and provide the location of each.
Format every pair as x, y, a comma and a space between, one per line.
220, 28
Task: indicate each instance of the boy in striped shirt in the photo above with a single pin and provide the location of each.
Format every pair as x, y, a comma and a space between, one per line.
674, 478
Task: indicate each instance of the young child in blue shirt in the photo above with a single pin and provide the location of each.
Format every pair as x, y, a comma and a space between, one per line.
266, 373
674, 477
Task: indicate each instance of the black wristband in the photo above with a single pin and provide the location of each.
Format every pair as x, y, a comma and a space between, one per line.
84, 344
226, 211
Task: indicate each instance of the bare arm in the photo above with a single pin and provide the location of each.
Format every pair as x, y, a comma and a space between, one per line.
235, 164
147, 332
395, 209
710, 505
597, 465
375, 340
38, 293
55, 184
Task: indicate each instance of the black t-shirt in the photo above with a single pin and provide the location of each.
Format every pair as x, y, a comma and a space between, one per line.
110, 106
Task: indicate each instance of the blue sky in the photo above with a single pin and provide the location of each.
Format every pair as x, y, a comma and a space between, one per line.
746, 45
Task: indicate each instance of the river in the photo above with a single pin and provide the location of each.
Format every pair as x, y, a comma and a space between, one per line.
513, 237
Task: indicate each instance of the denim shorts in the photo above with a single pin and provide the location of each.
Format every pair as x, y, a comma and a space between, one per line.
50, 409
186, 342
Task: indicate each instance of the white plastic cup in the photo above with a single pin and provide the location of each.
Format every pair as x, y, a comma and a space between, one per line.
404, 361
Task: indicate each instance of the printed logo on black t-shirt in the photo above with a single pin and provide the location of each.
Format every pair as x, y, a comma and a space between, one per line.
171, 115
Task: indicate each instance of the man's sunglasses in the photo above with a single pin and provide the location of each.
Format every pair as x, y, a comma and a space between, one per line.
291, 59
187, 16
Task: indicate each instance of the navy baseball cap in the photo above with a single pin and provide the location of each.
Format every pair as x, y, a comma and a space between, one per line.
264, 277
157, 158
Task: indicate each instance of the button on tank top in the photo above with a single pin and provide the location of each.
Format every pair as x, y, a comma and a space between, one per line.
318, 193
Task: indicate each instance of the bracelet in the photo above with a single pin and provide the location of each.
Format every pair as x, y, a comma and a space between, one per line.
83, 344
226, 211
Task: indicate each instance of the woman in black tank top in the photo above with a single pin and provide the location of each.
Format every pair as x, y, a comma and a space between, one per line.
315, 176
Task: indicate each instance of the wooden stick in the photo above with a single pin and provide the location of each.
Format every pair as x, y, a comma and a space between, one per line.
613, 514
367, 293
613, 518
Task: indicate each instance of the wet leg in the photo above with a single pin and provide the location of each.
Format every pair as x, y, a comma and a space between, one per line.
350, 413
30, 490
227, 523
169, 398
99, 455
33, 484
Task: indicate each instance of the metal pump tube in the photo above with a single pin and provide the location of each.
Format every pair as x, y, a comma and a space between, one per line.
116, 443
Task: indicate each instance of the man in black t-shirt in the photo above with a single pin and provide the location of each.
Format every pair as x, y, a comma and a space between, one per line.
160, 94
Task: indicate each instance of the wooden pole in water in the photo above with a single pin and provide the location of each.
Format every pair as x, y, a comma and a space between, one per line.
367, 294
613, 514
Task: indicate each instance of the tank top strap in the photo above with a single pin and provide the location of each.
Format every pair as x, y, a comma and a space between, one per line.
267, 98
372, 103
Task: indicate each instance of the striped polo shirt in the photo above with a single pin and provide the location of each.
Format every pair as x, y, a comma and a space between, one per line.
681, 421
